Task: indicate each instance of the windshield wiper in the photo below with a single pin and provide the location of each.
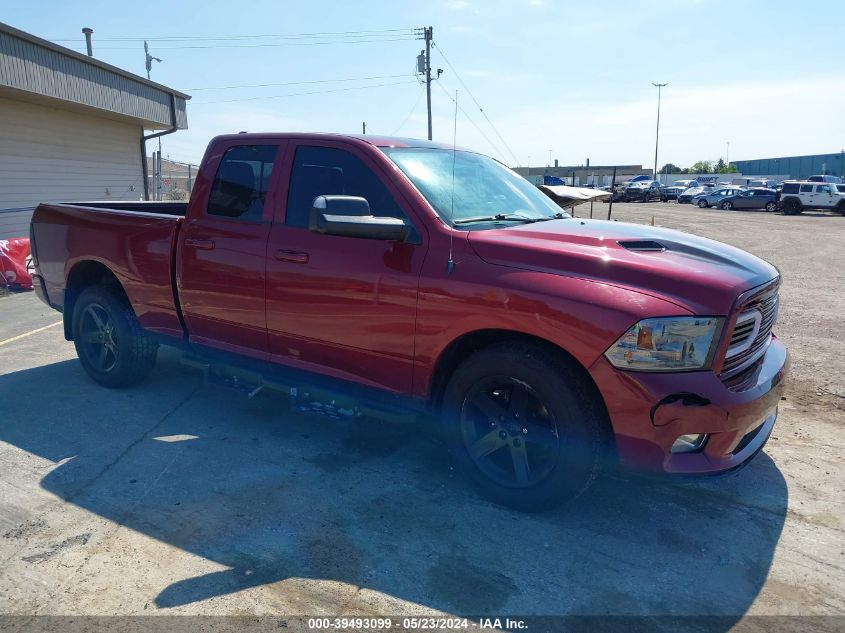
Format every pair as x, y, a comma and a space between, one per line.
504, 217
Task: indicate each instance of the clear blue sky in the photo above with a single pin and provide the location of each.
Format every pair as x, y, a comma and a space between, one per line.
574, 77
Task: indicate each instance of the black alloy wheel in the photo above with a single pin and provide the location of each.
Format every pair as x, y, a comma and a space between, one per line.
508, 433
99, 341
112, 346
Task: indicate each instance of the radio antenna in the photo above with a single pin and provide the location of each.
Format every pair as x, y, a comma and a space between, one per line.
450, 265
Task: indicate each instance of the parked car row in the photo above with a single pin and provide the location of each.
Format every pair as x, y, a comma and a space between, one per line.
817, 192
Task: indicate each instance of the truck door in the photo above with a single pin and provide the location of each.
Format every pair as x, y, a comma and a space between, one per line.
342, 306
222, 249
806, 194
824, 196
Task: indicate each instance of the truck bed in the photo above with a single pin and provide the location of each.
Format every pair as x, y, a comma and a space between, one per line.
176, 208
136, 241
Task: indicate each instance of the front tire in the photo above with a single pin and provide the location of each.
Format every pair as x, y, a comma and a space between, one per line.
726, 205
112, 347
702, 204
524, 426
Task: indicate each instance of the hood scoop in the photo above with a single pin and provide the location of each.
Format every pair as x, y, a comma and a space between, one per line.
641, 245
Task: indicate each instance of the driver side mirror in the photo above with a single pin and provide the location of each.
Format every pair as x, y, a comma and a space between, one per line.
350, 216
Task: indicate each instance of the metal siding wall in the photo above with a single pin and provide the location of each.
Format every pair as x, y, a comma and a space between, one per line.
798, 167
52, 155
26, 66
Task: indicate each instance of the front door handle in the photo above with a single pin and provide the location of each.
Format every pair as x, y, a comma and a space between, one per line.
203, 245
293, 257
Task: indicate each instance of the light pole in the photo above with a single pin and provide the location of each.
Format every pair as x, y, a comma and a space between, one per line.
657, 133
550, 158
728, 155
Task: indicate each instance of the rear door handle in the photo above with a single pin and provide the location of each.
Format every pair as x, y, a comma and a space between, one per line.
204, 245
293, 257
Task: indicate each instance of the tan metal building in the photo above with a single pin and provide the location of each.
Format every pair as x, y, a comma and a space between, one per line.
72, 127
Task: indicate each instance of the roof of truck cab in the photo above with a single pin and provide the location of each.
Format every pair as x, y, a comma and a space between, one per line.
376, 140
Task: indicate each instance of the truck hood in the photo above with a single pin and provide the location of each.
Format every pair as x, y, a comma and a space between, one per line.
698, 274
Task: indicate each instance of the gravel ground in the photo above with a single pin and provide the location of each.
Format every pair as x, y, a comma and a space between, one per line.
178, 498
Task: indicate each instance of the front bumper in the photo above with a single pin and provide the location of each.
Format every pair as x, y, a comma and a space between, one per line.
649, 411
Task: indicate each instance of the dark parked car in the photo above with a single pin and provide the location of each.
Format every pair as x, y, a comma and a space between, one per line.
825, 178
751, 199
671, 192
642, 190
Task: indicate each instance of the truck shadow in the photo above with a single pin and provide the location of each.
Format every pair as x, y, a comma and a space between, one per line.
276, 497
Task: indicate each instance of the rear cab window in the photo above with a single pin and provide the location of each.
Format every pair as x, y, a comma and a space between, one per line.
241, 182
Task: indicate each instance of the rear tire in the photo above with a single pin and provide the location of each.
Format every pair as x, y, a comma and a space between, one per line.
524, 426
112, 347
726, 205
702, 204
771, 207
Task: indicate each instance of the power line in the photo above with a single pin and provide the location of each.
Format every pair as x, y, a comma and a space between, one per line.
478, 105
296, 83
268, 45
320, 35
469, 118
299, 94
421, 92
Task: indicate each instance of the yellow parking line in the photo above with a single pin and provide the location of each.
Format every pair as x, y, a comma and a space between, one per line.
25, 334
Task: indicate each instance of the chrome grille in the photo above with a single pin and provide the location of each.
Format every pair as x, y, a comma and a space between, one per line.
752, 332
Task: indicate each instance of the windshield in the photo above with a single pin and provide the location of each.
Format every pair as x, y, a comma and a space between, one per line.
483, 188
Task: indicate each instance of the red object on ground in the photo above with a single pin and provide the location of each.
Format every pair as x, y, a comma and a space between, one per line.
13, 256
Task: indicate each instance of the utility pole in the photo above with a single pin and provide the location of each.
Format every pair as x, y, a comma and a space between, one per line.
148, 63
728, 155
429, 35
364, 127
612, 191
424, 68
657, 133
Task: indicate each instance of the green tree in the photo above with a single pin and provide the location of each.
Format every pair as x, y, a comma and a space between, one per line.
702, 167
670, 168
722, 168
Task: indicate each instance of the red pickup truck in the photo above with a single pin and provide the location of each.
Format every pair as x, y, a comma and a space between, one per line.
403, 274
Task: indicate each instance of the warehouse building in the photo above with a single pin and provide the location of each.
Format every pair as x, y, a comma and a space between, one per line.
72, 127
798, 167
598, 175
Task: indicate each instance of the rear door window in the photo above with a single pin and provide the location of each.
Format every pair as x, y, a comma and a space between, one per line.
240, 185
823, 189
806, 188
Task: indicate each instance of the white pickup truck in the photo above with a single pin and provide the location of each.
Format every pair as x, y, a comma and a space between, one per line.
797, 196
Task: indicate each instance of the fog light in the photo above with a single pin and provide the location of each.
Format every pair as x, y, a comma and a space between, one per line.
689, 443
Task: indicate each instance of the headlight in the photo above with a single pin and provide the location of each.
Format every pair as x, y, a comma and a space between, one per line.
667, 344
